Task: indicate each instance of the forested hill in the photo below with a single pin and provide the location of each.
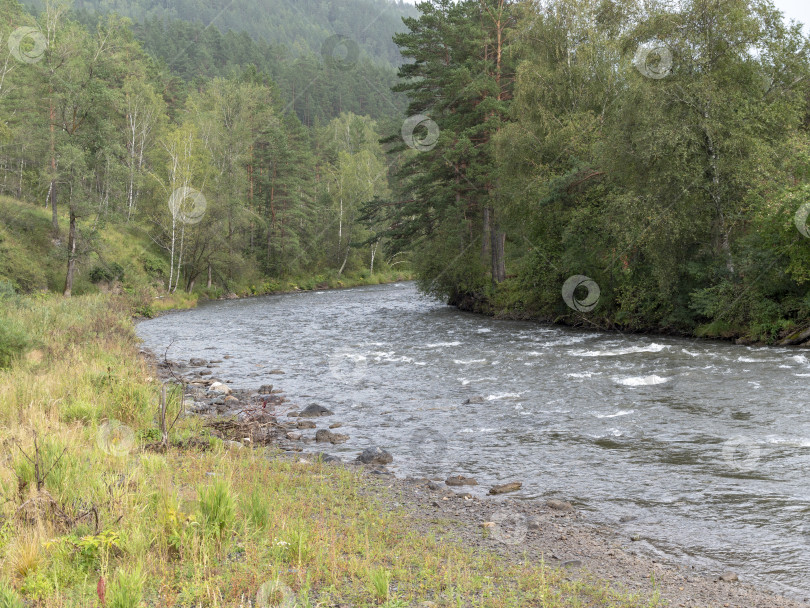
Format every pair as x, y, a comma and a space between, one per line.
302, 26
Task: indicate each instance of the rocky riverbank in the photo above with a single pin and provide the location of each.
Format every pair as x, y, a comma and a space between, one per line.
554, 531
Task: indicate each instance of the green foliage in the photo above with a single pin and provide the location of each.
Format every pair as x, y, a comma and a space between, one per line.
126, 589
216, 508
14, 341
9, 597
256, 508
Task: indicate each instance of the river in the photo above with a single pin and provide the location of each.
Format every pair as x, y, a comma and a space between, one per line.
700, 448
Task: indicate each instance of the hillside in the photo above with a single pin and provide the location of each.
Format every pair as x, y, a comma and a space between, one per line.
302, 26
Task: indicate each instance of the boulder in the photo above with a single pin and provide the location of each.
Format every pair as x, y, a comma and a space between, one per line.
324, 436
507, 487
315, 411
219, 387
375, 455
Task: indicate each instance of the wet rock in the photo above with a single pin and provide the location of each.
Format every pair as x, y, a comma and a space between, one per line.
294, 436
324, 436
314, 411
206, 372
292, 415
559, 505
227, 357
266, 389
477, 400
626, 518
336, 425
375, 455
219, 387
507, 487
460, 480
729, 577
197, 362
275, 372
306, 424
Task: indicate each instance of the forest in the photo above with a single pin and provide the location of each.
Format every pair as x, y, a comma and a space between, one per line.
655, 154
656, 151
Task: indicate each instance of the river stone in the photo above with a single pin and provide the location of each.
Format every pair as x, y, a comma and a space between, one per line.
534, 523
219, 387
507, 487
266, 389
336, 425
559, 505
375, 455
460, 480
275, 372
293, 415
306, 424
315, 411
324, 436
477, 400
197, 362
294, 436
729, 577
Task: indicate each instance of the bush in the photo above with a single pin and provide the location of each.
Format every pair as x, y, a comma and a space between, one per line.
126, 590
107, 274
14, 341
216, 508
9, 597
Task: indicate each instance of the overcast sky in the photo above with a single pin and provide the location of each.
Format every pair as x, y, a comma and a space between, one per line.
795, 9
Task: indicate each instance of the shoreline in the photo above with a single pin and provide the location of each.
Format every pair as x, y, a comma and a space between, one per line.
552, 532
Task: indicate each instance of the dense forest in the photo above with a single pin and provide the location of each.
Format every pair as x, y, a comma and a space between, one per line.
611, 163
302, 26
107, 136
644, 163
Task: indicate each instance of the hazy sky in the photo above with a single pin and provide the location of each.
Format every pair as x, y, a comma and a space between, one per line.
795, 9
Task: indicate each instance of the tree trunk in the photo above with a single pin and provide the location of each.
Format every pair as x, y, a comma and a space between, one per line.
71, 267
497, 243
52, 191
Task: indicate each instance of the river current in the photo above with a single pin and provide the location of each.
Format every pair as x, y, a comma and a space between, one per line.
700, 448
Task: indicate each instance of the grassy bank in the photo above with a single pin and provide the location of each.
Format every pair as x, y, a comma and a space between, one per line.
92, 516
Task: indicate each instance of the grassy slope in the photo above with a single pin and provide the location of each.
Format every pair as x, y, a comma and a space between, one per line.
199, 525
32, 261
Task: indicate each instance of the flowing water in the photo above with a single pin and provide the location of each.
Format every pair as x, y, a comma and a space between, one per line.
700, 448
